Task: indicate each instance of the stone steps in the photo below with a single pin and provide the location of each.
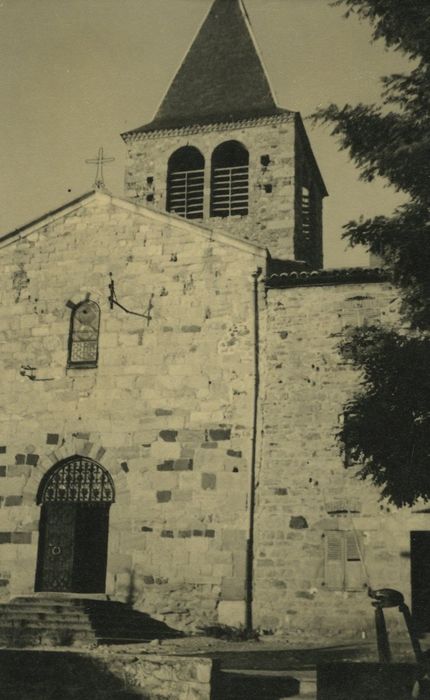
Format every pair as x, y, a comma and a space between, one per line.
42, 621
72, 619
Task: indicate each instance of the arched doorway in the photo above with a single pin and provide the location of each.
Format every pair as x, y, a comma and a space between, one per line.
75, 498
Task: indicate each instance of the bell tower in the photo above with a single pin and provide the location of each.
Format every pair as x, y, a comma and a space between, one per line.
220, 150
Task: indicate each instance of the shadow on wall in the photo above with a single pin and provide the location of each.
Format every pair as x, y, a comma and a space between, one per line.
115, 623
45, 675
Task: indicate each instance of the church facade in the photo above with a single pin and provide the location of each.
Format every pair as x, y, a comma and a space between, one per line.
171, 380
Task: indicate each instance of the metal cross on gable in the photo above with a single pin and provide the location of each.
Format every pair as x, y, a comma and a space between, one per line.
99, 183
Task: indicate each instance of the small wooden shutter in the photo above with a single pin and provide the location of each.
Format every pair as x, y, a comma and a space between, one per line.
354, 570
334, 560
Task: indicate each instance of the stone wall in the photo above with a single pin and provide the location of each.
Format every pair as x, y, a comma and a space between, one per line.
167, 411
304, 490
160, 676
111, 675
272, 187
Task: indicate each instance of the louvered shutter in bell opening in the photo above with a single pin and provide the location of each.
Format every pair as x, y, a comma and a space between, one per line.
334, 560
354, 574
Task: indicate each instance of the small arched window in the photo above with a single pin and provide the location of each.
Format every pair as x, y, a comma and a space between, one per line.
185, 183
229, 180
84, 335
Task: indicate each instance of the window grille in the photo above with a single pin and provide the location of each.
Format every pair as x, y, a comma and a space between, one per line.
84, 335
230, 180
185, 183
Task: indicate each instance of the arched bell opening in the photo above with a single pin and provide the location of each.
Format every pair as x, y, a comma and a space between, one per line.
75, 498
230, 180
185, 183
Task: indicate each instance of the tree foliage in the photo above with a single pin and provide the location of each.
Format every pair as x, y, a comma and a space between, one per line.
387, 422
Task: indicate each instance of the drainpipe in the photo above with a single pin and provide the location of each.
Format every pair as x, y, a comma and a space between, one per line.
252, 476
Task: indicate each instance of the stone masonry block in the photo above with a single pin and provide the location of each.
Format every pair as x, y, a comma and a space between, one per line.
191, 329
232, 589
232, 613
164, 496
239, 565
298, 522
52, 439
183, 465
234, 540
167, 466
81, 436
100, 454
21, 470
184, 533
21, 538
234, 453
13, 501
220, 434
208, 481
168, 435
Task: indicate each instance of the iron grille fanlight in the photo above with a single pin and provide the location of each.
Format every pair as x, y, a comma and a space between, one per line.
78, 480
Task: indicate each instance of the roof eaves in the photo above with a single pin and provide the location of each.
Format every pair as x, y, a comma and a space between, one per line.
323, 278
155, 130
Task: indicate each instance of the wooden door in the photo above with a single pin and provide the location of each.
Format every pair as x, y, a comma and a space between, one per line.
73, 548
75, 496
420, 579
90, 550
56, 547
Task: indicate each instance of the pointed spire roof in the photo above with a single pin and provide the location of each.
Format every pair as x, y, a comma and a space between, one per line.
222, 77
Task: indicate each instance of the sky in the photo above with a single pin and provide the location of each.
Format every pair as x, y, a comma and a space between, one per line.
74, 74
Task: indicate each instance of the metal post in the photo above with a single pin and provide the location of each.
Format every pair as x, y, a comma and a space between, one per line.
412, 634
384, 651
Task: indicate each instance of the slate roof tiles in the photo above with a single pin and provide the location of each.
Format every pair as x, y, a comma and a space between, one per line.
222, 77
